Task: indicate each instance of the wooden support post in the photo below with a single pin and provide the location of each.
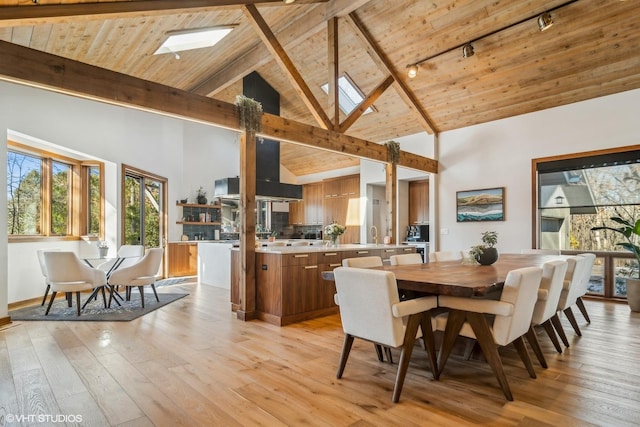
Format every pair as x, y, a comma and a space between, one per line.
247, 309
391, 194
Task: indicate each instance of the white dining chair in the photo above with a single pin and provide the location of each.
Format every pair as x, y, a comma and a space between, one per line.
143, 273
363, 262
511, 320
43, 270
551, 284
441, 256
591, 259
405, 259
68, 273
371, 310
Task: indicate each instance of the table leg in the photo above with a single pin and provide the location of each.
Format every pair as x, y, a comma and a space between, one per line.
455, 320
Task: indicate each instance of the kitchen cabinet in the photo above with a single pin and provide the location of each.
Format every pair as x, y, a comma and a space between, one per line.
296, 212
339, 194
183, 259
312, 195
419, 202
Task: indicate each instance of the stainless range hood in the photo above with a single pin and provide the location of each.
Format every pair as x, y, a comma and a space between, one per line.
229, 188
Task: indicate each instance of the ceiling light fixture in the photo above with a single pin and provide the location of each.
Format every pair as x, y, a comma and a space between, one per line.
467, 50
544, 21
412, 70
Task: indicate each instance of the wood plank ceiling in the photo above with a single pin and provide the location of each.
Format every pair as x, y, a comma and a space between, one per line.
592, 50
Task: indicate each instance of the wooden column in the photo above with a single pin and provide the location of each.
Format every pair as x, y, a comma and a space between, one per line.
247, 309
334, 72
391, 195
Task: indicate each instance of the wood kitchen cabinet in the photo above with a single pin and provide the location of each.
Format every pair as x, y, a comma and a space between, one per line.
183, 259
297, 212
419, 202
312, 195
338, 193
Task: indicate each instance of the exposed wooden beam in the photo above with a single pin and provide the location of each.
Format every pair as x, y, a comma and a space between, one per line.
34, 14
366, 103
287, 66
377, 55
391, 199
32, 67
247, 310
333, 61
297, 32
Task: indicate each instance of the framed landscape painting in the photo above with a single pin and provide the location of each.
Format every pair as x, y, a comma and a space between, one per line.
480, 205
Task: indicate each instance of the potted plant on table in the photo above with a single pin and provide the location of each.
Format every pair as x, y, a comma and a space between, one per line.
630, 229
486, 254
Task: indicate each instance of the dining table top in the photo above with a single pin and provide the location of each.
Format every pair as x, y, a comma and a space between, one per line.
461, 278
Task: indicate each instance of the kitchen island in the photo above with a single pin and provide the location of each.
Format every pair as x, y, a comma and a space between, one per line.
289, 284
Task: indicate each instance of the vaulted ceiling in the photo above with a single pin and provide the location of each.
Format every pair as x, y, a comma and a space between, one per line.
592, 50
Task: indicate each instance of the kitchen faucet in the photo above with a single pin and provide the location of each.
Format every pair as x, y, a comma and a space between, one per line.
374, 234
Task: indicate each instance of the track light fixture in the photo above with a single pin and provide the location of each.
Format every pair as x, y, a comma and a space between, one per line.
467, 50
544, 21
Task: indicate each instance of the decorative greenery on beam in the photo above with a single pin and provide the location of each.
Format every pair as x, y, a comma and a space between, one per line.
393, 152
250, 112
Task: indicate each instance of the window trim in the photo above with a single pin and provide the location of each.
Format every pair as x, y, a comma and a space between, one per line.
78, 226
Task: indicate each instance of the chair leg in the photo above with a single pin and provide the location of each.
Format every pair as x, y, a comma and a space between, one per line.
153, 286
53, 296
535, 346
548, 327
141, 290
346, 348
555, 321
481, 329
469, 346
572, 319
78, 301
429, 344
46, 292
583, 309
405, 355
387, 351
378, 348
69, 296
524, 355
104, 296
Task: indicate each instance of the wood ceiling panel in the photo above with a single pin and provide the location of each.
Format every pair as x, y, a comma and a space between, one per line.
592, 50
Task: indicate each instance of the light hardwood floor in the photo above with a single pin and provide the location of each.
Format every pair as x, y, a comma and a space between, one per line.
192, 363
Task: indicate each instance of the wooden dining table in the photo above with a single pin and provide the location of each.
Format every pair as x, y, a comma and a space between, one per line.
467, 280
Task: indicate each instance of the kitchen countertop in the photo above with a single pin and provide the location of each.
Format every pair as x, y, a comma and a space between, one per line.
323, 248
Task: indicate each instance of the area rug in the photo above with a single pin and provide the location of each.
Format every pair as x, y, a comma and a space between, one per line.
95, 311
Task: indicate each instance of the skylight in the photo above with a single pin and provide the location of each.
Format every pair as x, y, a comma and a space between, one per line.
179, 41
349, 95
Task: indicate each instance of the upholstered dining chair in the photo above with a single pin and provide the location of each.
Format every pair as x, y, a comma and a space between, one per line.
142, 273
68, 273
43, 270
441, 256
511, 320
362, 262
551, 284
591, 258
576, 284
405, 259
370, 262
371, 310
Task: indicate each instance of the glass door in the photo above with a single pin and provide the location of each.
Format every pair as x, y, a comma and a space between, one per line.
144, 209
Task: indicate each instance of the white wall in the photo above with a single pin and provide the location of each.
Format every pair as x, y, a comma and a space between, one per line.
116, 135
499, 154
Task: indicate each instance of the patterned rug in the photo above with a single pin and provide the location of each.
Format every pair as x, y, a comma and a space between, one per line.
95, 311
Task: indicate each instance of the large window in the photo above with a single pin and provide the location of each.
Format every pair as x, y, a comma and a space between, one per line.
579, 193
49, 195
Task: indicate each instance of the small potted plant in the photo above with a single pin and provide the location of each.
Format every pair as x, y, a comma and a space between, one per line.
486, 254
103, 248
630, 229
272, 236
201, 197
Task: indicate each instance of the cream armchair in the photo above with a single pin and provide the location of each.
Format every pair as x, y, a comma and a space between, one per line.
511, 320
362, 262
551, 284
370, 309
445, 256
144, 272
43, 270
405, 259
67, 273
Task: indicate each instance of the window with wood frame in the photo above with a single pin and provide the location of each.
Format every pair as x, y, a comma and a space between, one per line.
52, 196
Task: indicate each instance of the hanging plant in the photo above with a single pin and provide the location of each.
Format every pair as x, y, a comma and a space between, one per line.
393, 152
250, 112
